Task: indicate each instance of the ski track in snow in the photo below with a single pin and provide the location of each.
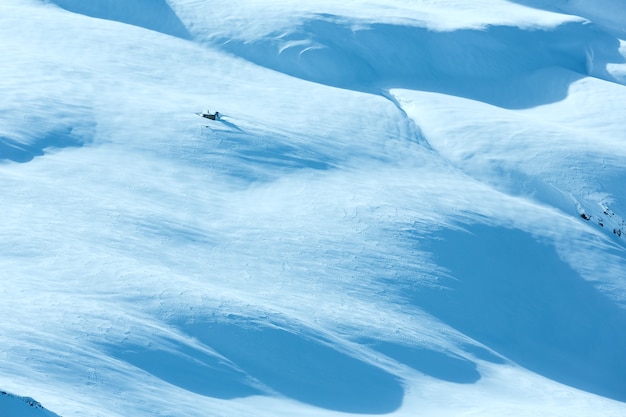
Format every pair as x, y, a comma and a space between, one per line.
406, 209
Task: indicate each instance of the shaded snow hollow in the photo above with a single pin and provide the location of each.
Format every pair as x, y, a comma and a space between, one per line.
405, 209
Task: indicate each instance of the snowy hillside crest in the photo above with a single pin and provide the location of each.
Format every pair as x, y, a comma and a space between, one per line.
13, 405
391, 208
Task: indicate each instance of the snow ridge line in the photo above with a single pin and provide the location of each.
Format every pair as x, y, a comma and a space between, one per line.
34, 408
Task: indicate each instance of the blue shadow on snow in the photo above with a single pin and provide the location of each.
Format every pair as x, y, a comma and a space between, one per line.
25, 152
506, 66
303, 368
154, 15
438, 364
190, 369
253, 158
516, 296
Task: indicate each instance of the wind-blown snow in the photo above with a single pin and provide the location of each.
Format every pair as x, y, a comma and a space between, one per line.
405, 208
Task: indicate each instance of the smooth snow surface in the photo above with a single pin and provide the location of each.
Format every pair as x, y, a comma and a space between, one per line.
407, 208
12, 405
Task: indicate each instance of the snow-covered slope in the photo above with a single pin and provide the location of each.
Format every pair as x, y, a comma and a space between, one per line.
405, 209
12, 405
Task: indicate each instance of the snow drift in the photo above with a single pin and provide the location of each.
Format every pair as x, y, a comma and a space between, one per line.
403, 204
